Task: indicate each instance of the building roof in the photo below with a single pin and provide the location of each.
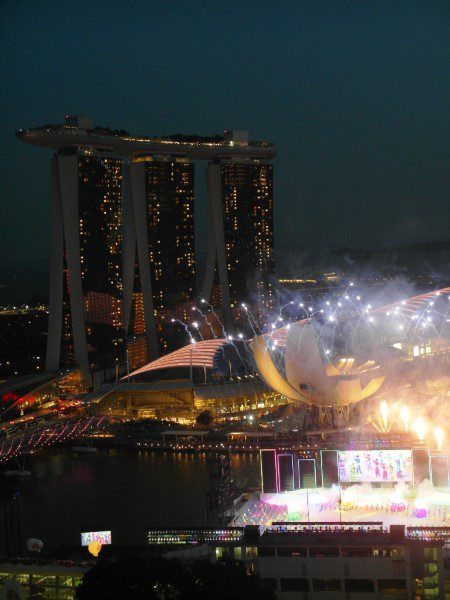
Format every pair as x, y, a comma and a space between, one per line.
166, 385
253, 387
200, 354
411, 306
185, 432
254, 434
31, 380
59, 137
278, 336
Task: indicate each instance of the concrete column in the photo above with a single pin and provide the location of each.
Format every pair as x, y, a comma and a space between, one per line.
56, 271
137, 180
68, 179
214, 193
211, 256
129, 247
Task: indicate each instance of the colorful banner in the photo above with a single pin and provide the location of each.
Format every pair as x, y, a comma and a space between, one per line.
370, 466
103, 537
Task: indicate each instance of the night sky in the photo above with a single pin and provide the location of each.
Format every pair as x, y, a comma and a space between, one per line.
354, 94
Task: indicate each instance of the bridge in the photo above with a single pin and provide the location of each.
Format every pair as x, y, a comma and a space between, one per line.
17, 441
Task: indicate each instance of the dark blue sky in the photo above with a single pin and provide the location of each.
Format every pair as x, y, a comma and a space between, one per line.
354, 94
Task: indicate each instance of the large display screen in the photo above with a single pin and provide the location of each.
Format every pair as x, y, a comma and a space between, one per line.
104, 537
370, 466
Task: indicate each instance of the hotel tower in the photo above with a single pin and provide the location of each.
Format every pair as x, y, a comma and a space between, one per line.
122, 236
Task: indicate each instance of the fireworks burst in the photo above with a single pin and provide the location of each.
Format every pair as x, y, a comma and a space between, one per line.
381, 422
439, 436
420, 428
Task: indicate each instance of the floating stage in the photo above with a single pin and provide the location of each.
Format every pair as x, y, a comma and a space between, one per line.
394, 486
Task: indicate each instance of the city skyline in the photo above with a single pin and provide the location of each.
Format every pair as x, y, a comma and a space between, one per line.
224, 300
360, 99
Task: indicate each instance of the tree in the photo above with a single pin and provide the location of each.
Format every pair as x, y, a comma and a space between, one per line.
136, 578
133, 578
225, 580
205, 418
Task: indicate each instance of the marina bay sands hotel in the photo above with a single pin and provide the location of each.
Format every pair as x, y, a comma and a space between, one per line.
122, 236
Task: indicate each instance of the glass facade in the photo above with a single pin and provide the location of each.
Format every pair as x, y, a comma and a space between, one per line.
100, 237
431, 573
169, 191
137, 342
33, 586
247, 202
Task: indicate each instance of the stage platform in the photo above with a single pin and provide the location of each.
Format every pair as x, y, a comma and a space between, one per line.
401, 504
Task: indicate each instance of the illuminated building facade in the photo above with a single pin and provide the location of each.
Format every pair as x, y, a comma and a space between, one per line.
136, 339
317, 560
86, 273
240, 244
170, 225
214, 375
158, 233
161, 192
248, 227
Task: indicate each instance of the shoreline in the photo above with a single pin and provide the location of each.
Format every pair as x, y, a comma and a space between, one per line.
155, 446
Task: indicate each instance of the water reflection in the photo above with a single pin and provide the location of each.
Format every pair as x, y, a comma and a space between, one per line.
125, 490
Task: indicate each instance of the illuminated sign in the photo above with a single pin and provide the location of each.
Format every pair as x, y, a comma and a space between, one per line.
374, 465
193, 536
103, 537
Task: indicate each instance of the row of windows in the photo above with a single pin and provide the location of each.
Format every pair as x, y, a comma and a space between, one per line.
299, 584
52, 587
35, 593
317, 551
41, 580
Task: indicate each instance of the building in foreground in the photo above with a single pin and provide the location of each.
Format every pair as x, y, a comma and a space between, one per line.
52, 579
325, 560
316, 561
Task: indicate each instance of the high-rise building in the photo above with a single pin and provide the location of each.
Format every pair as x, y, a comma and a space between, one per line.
162, 193
136, 338
248, 230
86, 256
169, 192
240, 246
88, 294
